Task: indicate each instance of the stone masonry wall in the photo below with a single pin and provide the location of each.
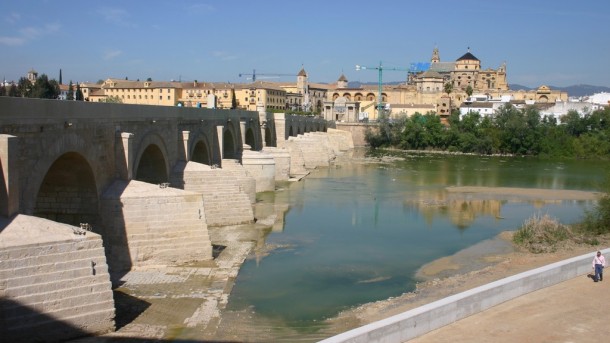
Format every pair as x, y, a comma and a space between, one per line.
54, 282
145, 224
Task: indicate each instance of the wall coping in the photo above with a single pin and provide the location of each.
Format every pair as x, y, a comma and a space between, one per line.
423, 319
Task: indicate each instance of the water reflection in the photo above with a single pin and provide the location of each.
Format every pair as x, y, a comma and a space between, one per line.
358, 232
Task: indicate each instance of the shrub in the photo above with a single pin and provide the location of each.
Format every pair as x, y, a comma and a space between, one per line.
540, 234
597, 220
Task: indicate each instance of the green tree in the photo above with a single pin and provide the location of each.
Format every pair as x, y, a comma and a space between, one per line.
3, 90
469, 90
233, 100
79, 94
575, 125
24, 87
70, 95
44, 88
13, 91
113, 99
448, 88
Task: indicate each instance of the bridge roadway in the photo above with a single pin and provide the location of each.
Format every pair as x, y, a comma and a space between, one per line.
575, 310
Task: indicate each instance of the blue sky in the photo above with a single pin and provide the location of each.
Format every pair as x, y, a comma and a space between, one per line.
553, 42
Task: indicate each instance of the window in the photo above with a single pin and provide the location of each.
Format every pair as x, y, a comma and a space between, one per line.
169, 97
160, 97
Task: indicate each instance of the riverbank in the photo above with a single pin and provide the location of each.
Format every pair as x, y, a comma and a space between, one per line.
189, 302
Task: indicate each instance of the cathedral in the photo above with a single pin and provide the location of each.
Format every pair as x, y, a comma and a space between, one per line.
439, 87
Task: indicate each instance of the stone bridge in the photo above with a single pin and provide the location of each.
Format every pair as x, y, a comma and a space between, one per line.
90, 188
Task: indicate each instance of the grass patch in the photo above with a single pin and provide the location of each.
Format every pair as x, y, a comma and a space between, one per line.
542, 233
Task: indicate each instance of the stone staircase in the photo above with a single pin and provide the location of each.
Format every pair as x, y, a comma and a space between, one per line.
246, 182
151, 224
224, 200
54, 282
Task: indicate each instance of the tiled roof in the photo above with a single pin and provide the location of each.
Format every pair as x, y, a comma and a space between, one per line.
431, 74
302, 72
442, 67
342, 78
468, 56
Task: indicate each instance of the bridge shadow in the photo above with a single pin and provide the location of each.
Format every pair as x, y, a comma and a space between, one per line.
21, 323
113, 232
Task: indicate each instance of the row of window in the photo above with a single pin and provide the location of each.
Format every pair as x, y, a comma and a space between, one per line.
169, 97
135, 90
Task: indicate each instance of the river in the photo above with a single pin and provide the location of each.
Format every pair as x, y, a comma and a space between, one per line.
358, 231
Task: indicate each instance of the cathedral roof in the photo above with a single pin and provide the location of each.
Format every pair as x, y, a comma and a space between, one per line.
468, 56
342, 78
442, 67
431, 74
302, 72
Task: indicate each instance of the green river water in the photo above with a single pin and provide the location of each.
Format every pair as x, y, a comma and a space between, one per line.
358, 232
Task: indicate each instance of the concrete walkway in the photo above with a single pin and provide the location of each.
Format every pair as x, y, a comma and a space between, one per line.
576, 310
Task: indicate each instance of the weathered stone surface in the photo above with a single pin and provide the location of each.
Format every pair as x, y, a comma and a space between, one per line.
54, 281
147, 224
224, 200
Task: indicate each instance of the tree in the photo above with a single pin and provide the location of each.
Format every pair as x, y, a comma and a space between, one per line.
448, 88
44, 88
13, 91
469, 90
3, 90
113, 99
233, 100
79, 94
24, 87
150, 79
60, 78
70, 95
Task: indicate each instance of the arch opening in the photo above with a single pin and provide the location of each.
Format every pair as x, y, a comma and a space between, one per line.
269, 137
250, 139
68, 193
152, 167
200, 153
228, 145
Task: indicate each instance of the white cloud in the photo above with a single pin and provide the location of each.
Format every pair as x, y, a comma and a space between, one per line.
108, 55
12, 41
29, 33
116, 16
12, 17
201, 8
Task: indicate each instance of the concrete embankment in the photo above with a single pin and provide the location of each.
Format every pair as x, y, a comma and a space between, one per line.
421, 320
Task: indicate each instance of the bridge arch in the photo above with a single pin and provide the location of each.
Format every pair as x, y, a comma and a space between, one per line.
229, 150
250, 140
68, 192
151, 164
269, 141
200, 151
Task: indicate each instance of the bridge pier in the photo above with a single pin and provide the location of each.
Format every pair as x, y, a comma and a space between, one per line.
77, 162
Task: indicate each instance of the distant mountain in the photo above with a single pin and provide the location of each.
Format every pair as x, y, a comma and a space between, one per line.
576, 90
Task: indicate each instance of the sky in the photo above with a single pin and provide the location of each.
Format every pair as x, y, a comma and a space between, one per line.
550, 42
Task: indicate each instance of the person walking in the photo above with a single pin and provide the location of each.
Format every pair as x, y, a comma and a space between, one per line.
599, 262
